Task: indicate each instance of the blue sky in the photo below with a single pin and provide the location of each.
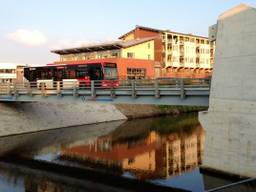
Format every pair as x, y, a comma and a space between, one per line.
29, 29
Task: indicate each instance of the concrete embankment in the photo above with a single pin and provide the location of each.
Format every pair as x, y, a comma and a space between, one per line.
17, 118
142, 111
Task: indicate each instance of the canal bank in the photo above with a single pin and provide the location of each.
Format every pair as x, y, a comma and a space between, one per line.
18, 118
143, 111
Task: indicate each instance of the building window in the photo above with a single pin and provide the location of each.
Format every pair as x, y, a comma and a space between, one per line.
148, 45
8, 71
130, 55
114, 54
131, 161
136, 73
169, 58
175, 48
149, 57
175, 59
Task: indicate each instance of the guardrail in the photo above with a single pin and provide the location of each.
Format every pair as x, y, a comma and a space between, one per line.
156, 88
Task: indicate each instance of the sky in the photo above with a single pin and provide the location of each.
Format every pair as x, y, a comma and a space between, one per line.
29, 29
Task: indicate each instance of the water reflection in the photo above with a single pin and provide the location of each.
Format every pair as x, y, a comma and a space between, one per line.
117, 156
156, 150
148, 150
51, 141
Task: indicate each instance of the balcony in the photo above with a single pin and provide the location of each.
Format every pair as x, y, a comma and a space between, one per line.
182, 64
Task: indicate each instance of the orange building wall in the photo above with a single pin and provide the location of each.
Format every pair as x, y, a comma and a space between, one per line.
186, 73
122, 65
142, 33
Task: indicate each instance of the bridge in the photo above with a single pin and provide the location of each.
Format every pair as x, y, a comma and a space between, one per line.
158, 91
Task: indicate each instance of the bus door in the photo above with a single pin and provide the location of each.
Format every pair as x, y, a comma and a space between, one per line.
96, 74
95, 71
110, 75
66, 75
82, 75
45, 77
59, 73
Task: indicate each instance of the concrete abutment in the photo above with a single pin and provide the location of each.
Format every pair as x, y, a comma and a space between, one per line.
230, 122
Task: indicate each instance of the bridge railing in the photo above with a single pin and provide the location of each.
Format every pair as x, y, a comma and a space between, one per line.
155, 87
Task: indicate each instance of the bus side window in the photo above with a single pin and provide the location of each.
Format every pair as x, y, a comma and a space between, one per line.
72, 74
97, 75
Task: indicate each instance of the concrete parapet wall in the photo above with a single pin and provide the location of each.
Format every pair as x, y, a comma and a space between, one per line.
19, 118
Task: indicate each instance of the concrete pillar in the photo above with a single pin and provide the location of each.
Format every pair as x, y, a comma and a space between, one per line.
230, 122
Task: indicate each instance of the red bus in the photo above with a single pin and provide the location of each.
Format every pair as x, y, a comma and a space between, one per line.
105, 74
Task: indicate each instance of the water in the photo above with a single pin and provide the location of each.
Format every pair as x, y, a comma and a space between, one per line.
155, 154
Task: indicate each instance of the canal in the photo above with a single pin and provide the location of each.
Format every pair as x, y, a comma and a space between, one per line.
153, 154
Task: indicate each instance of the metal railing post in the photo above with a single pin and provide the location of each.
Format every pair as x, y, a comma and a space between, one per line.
43, 90
133, 83
15, 91
156, 85
75, 94
112, 90
93, 93
182, 91
58, 88
9, 91
29, 90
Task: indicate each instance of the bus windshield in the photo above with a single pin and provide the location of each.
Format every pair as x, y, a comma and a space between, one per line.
110, 71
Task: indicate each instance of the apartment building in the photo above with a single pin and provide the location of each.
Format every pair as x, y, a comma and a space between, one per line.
142, 48
174, 54
11, 72
135, 58
180, 54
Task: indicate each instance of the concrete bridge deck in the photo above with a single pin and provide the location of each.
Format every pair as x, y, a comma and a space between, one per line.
158, 91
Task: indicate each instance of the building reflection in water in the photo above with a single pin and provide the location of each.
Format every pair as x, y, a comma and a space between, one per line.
180, 153
151, 156
43, 186
148, 149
